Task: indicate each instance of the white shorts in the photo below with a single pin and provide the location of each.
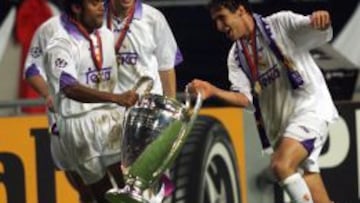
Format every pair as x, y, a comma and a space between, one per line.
58, 154
312, 139
92, 142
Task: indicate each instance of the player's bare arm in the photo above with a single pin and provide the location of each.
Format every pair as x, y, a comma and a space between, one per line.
84, 94
168, 81
208, 90
39, 84
41, 87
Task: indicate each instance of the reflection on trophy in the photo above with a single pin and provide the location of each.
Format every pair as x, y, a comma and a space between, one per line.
154, 131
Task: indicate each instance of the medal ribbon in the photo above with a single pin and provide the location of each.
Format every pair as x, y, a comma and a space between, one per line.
126, 27
96, 57
295, 78
252, 63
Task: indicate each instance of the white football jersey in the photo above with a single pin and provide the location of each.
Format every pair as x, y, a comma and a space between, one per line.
69, 57
279, 103
149, 47
34, 59
34, 65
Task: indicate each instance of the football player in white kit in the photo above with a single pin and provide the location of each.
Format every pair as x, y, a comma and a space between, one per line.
83, 78
272, 71
36, 74
144, 46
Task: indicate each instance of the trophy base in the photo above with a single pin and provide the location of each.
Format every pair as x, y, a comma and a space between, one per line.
120, 196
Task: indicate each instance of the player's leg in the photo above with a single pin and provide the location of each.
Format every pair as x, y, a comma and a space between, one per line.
317, 187
311, 168
99, 189
60, 159
84, 191
285, 162
117, 174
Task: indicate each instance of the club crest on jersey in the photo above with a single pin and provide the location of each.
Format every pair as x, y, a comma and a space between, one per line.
269, 76
35, 52
127, 58
60, 63
95, 76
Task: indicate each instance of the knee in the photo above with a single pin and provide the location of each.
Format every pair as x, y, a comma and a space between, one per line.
281, 168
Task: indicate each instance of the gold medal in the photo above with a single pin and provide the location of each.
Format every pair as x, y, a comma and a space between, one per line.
288, 63
257, 87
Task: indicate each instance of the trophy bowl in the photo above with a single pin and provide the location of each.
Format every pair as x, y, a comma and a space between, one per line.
154, 131
145, 122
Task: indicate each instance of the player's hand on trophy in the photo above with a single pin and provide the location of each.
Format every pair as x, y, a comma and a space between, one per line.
127, 99
320, 20
205, 88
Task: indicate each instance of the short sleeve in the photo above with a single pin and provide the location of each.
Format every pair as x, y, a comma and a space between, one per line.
300, 29
34, 64
167, 51
239, 81
60, 59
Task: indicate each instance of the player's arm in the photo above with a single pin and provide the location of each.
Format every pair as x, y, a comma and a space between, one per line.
168, 81
33, 68
167, 54
81, 93
34, 71
307, 32
64, 77
38, 83
208, 90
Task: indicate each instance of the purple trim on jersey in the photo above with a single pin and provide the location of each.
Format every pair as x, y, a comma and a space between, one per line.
66, 80
179, 57
54, 129
138, 10
309, 145
70, 27
32, 71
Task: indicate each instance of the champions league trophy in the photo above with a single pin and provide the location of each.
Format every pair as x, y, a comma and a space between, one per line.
154, 131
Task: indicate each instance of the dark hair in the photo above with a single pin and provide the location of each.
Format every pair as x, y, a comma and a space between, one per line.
232, 5
66, 5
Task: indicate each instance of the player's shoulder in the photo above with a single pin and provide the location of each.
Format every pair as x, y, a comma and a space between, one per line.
283, 16
60, 40
51, 22
151, 12
49, 27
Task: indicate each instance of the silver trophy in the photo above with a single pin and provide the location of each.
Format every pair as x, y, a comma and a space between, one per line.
154, 131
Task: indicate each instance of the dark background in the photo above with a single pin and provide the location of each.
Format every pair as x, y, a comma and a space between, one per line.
204, 49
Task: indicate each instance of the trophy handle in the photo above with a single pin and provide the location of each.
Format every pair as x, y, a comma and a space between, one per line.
197, 105
187, 97
184, 133
144, 80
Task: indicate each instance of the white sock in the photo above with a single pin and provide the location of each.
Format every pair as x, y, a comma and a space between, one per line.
297, 189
